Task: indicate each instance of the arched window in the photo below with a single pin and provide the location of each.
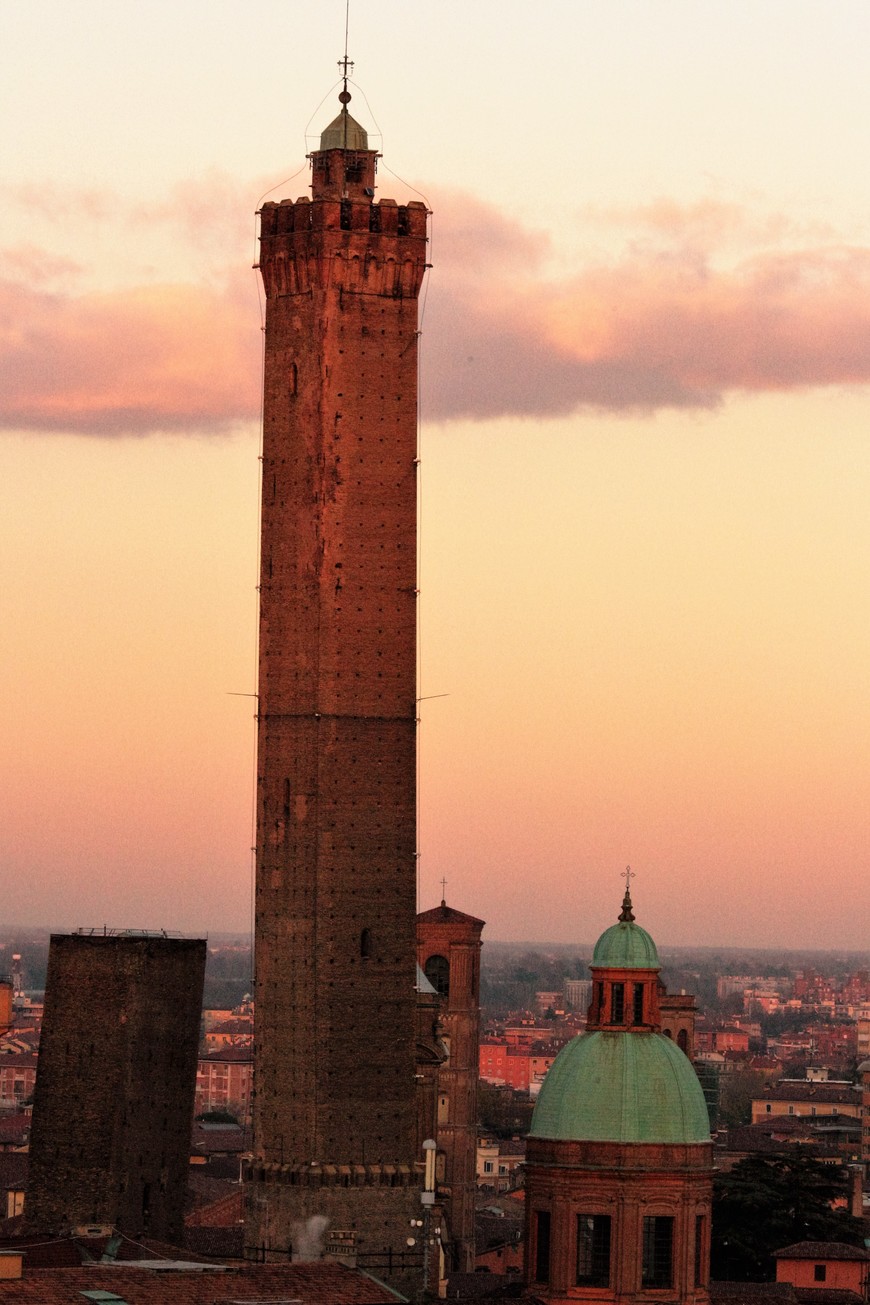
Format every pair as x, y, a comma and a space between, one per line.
437, 971
683, 1041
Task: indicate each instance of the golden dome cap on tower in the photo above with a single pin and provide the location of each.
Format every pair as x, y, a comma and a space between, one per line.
344, 133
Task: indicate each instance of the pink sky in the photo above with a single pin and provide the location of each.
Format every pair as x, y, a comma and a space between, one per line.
644, 537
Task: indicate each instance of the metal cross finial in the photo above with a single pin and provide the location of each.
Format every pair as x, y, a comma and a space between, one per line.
627, 914
443, 892
345, 64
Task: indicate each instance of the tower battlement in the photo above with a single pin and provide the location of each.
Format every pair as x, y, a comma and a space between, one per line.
358, 246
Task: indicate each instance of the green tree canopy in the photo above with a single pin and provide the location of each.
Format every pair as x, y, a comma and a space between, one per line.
735, 1096
767, 1202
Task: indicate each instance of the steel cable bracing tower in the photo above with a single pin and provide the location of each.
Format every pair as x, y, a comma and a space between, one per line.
334, 1114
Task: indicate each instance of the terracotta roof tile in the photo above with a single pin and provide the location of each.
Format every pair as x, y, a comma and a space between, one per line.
13, 1169
14, 1129
310, 1284
444, 914
827, 1296
822, 1251
229, 1054
752, 1293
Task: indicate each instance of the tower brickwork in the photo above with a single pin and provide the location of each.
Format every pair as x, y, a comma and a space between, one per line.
678, 1012
335, 1040
448, 949
113, 1106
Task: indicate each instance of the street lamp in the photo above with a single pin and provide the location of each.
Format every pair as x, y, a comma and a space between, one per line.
427, 1200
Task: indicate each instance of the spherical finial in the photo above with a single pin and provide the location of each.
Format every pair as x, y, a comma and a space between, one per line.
344, 97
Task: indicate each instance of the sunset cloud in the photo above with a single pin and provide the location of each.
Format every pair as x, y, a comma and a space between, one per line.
157, 358
667, 321
687, 305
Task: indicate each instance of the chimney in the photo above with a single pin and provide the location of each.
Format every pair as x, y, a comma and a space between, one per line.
856, 1202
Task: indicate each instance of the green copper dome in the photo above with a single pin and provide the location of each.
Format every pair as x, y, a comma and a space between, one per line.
621, 1087
626, 946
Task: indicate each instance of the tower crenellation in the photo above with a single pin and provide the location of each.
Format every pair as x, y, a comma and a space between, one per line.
376, 248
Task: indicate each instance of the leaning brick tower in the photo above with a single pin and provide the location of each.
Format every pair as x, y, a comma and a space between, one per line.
334, 1112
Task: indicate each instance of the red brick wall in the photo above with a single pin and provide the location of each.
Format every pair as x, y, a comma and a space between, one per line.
627, 1182
110, 1141
840, 1275
336, 842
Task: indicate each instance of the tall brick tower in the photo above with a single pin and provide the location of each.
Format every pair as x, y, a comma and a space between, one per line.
448, 949
117, 1074
334, 1113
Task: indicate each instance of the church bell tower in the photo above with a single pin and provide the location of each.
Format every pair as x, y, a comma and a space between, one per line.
334, 1112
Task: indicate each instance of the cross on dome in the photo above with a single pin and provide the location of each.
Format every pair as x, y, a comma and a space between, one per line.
627, 914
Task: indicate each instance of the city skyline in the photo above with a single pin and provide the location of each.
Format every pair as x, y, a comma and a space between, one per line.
645, 546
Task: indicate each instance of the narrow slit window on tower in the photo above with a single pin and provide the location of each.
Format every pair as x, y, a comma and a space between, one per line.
294, 380
700, 1270
344, 220
365, 944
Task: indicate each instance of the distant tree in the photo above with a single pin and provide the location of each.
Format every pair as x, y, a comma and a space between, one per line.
736, 1091
767, 1202
790, 1021
502, 1111
217, 1117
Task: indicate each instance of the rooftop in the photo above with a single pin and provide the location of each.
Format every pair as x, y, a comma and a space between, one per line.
323, 1283
445, 914
822, 1251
